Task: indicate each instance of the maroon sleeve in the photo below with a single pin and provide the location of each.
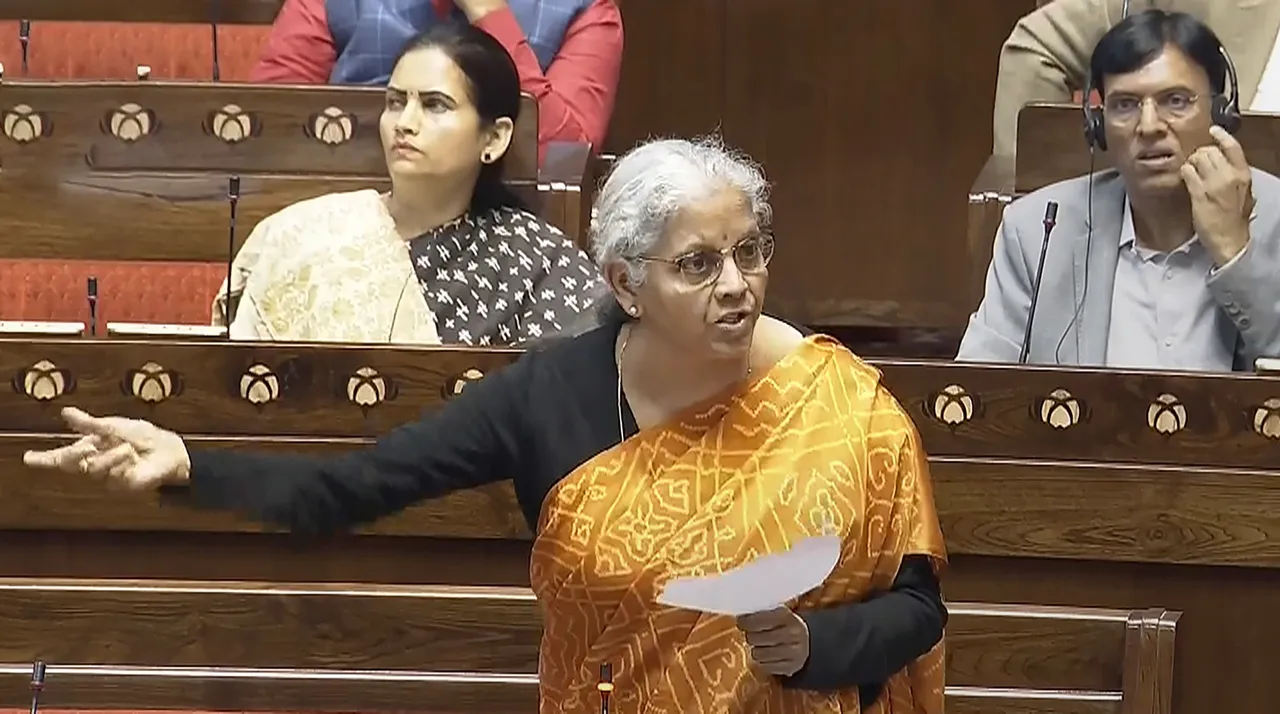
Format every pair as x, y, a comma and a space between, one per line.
300, 49
576, 93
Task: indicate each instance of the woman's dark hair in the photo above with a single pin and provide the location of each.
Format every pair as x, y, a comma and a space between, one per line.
493, 86
1138, 39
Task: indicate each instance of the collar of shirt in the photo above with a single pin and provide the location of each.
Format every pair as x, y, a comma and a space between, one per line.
1129, 239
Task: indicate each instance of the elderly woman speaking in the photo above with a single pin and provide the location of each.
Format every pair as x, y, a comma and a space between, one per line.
685, 434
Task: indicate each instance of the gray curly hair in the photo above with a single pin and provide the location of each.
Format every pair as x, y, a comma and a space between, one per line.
653, 181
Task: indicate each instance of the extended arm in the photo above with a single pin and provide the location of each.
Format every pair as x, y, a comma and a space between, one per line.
477, 439
1046, 58
995, 330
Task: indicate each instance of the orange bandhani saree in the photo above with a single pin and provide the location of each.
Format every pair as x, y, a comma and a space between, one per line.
814, 442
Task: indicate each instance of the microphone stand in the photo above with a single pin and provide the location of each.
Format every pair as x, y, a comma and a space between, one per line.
1050, 220
37, 685
24, 39
605, 686
91, 292
213, 25
233, 200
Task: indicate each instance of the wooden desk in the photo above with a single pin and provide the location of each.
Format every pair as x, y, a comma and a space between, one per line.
1054, 486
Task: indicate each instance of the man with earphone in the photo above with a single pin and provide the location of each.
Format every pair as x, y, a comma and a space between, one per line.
1169, 260
1046, 56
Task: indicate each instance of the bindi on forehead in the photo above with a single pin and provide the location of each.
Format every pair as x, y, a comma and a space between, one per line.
718, 221
428, 70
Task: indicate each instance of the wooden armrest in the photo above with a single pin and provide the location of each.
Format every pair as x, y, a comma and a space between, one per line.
567, 176
163, 331
995, 181
567, 162
1267, 365
11, 328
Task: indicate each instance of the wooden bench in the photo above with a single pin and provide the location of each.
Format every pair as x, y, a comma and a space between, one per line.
260, 647
138, 172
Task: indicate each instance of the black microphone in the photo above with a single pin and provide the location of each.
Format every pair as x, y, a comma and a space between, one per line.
213, 25
233, 199
605, 686
37, 685
91, 291
1050, 220
24, 39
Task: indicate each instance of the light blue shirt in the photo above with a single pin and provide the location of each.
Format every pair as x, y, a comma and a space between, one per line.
1163, 315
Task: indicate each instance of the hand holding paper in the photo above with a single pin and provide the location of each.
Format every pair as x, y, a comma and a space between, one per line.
766, 583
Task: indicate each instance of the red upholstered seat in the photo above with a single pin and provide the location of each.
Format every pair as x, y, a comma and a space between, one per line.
128, 292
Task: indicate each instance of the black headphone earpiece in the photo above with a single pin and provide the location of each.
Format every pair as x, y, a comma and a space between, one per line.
1095, 133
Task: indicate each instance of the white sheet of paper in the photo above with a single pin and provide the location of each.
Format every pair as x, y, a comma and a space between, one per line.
763, 584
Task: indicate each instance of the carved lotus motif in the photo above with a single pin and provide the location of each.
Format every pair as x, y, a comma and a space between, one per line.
367, 388
1167, 415
1266, 419
952, 405
151, 383
43, 381
1060, 410
130, 122
23, 125
454, 387
233, 124
259, 385
332, 126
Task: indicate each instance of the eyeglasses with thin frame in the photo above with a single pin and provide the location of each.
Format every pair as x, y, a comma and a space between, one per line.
702, 267
1170, 106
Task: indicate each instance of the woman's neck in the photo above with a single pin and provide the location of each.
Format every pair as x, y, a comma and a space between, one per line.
662, 375
420, 206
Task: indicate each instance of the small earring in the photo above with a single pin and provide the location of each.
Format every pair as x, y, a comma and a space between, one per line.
633, 311
486, 158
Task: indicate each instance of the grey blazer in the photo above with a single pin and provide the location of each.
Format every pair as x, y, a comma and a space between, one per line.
1248, 291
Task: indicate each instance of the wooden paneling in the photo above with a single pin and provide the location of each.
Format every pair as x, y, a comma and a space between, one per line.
230, 12
312, 638
327, 627
203, 690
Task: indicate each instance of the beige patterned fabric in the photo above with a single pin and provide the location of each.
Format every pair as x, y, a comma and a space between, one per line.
329, 269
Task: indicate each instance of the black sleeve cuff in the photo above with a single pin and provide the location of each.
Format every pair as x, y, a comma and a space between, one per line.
864, 644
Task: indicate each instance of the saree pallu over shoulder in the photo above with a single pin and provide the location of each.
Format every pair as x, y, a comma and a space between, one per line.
814, 443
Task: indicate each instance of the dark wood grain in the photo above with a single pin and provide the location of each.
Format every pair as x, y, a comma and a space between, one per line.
262, 625
108, 688
1035, 648
57, 501
211, 388
200, 127
1058, 510
79, 191
1003, 411
1109, 512
278, 557
1224, 421
978, 701
231, 12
